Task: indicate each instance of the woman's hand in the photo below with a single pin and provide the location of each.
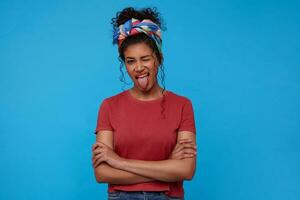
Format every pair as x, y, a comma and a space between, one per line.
103, 153
184, 148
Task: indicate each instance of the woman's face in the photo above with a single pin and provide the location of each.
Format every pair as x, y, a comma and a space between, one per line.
142, 66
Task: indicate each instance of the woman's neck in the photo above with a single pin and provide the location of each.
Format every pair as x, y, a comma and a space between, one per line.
153, 93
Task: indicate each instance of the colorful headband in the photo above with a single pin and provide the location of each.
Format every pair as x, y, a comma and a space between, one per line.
134, 26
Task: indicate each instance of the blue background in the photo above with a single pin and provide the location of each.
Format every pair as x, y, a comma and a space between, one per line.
238, 61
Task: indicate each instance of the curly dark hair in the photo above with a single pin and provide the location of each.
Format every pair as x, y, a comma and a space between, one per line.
144, 13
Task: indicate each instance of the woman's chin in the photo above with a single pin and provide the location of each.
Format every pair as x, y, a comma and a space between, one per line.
143, 89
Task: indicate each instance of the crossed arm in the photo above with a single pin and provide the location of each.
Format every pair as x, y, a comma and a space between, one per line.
113, 169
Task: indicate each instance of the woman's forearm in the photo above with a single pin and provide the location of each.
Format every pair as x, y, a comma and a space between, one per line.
180, 165
165, 170
104, 173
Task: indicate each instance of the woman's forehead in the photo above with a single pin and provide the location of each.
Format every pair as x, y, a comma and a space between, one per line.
138, 50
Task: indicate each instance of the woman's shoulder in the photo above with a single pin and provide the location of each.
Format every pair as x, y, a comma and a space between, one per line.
115, 97
174, 96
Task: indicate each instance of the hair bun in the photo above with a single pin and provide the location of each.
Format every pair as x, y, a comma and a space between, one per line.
144, 13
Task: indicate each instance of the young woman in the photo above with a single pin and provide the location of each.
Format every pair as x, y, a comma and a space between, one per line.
145, 136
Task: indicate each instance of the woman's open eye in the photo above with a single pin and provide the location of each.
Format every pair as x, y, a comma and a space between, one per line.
129, 61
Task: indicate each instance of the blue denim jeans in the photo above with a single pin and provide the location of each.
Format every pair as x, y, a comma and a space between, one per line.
122, 195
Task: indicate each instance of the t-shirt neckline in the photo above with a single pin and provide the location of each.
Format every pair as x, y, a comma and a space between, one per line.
128, 93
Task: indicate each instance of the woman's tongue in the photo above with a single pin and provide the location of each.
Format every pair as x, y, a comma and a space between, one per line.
143, 82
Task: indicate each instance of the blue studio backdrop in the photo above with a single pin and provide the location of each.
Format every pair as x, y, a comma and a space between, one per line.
238, 62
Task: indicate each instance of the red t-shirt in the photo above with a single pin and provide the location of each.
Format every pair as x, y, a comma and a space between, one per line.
142, 132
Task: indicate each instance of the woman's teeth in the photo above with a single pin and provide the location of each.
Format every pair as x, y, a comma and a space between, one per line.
142, 76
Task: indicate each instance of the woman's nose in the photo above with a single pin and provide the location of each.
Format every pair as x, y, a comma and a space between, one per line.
139, 67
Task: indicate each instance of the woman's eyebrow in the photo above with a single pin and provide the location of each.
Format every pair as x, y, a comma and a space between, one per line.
141, 57
129, 57
146, 56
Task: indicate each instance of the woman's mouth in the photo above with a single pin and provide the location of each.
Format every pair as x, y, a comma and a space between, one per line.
143, 80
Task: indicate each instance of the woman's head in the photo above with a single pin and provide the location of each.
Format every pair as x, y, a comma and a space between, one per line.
126, 15
140, 48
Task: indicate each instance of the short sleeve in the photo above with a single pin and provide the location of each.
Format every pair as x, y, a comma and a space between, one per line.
187, 122
103, 121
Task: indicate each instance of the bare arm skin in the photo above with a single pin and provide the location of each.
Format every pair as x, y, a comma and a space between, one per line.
170, 170
104, 173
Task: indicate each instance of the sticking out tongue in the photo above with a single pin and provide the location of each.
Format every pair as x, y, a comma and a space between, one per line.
143, 82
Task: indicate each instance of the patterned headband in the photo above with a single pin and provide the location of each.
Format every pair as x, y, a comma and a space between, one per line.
134, 26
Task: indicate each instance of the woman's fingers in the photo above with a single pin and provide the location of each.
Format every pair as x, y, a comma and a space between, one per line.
98, 159
98, 162
188, 155
95, 157
186, 146
178, 148
190, 151
94, 146
184, 141
189, 145
184, 149
97, 145
98, 153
